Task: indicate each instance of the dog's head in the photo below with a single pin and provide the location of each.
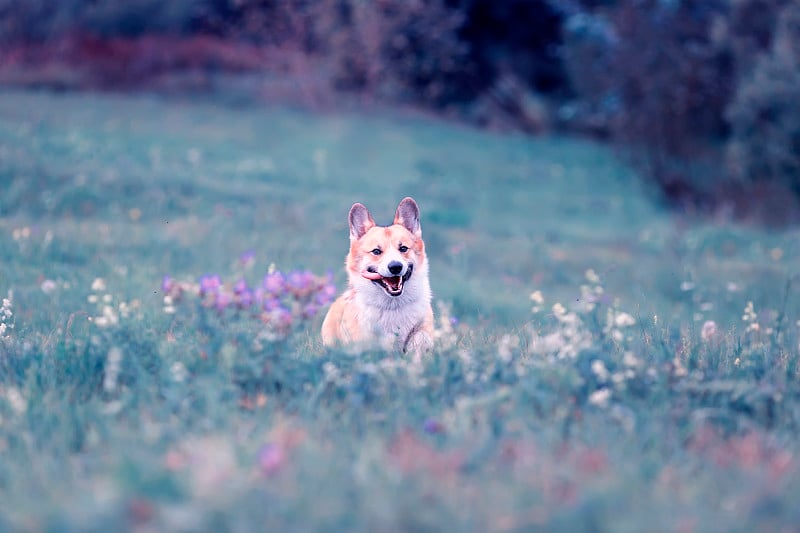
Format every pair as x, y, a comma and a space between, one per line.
386, 257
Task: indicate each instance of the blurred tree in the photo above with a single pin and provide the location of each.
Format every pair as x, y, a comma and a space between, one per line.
765, 115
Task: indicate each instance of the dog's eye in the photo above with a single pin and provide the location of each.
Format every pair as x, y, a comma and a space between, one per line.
376, 251
403, 248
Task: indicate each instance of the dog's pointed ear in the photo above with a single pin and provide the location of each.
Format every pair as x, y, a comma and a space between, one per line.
360, 221
407, 215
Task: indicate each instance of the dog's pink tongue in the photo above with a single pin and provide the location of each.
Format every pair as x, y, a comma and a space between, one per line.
371, 275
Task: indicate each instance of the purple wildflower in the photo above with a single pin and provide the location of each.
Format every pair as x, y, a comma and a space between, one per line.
248, 258
223, 299
433, 426
258, 295
245, 298
271, 303
209, 284
299, 283
310, 311
282, 316
240, 287
284, 298
326, 293
171, 288
274, 282
167, 284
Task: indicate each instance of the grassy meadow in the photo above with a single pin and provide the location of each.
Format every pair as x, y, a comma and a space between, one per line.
602, 363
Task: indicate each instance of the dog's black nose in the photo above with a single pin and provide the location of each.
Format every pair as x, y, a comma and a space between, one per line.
395, 267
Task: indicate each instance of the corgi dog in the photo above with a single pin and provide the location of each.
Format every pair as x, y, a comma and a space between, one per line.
388, 299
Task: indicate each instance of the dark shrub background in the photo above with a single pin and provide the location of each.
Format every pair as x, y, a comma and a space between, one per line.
701, 95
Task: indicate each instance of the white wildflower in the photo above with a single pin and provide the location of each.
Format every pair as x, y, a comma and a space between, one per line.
751, 317
709, 330
538, 299
99, 285
108, 317
179, 372
506, 347
566, 342
749, 312
48, 286
169, 306
568, 319
592, 277
599, 370
21, 233
624, 320
5, 310
5, 317
630, 360
600, 397
331, 372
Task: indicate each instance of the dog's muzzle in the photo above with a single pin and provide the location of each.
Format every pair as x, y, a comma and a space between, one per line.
393, 285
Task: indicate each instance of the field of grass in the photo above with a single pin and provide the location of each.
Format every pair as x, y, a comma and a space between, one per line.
601, 363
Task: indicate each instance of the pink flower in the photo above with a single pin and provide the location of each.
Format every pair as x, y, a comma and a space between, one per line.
271, 458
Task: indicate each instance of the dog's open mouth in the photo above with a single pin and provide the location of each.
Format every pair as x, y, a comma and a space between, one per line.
394, 285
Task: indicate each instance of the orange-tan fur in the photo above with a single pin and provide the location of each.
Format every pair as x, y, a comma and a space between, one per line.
367, 313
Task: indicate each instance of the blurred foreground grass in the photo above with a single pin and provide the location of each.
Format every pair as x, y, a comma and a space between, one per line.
642, 389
